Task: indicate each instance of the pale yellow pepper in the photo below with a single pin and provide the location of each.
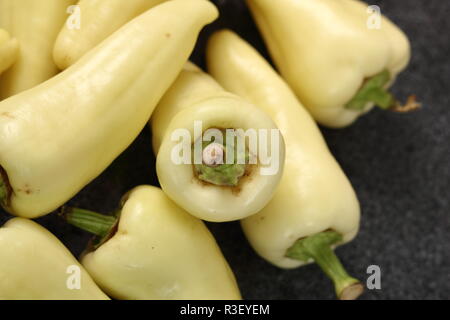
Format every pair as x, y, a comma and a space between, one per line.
339, 56
58, 136
8, 50
155, 251
91, 22
35, 24
315, 207
221, 193
35, 265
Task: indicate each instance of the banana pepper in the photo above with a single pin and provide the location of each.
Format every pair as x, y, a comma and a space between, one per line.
335, 59
8, 50
153, 249
212, 190
35, 265
93, 21
58, 136
315, 207
35, 24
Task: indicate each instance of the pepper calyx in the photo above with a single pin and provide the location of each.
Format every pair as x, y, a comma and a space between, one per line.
213, 168
222, 175
318, 247
373, 90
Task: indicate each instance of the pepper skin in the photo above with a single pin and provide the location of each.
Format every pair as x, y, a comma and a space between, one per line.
98, 20
315, 206
326, 52
157, 251
8, 50
34, 266
35, 24
58, 136
195, 96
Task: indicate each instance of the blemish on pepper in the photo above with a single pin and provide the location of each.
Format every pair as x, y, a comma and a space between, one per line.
7, 115
26, 189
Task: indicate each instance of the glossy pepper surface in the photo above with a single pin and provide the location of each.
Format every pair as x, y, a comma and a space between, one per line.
35, 265
214, 193
338, 60
35, 24
58, 136
155, 250
315, 207
91, 22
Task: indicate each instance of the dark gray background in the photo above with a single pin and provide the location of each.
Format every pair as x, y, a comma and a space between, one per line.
398, 164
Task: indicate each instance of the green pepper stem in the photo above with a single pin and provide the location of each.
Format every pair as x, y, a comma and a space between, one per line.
93, 222
318, 248
5, 189
374, 91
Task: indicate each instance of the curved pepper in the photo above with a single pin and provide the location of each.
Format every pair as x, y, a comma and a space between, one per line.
214, 193
155, 251
338, 66
97, 20
35, 265
8, 50
315, 207
35, 24
58, 136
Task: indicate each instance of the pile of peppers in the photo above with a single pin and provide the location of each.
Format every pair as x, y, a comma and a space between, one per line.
78, 90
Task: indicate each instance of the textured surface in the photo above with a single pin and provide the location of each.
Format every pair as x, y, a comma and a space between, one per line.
399, 165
